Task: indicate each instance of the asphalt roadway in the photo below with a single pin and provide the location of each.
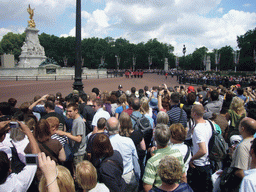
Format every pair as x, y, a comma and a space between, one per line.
26, 90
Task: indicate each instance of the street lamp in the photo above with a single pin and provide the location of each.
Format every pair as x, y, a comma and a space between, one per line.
184, 52
254, 58
78, 85
177, 62
236, 58
117, 61
149, 61
133, 62
217, 59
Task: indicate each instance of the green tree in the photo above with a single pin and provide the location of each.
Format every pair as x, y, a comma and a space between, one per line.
12, 43
247, 44
226, 58
52, 46
197, 58
158, 51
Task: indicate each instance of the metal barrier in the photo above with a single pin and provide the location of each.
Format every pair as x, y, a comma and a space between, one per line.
56, 77
211, 82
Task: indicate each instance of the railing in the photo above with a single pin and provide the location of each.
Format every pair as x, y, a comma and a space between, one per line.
211, 82
59, 77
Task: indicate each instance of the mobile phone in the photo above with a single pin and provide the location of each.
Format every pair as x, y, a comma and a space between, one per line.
14, 125
31, 159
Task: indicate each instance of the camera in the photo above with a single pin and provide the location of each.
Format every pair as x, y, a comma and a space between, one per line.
14, 125
31, 159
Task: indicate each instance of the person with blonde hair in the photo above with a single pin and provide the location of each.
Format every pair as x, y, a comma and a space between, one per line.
235, 114
123, 105
64, 180
126, 130
146, 110
170, 172
86, 177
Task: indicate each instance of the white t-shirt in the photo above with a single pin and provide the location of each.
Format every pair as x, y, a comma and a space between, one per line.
100, 187
183, 150
202, 133
21, 181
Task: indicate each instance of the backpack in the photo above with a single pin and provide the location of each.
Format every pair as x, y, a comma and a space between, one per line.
141, 123
217, 146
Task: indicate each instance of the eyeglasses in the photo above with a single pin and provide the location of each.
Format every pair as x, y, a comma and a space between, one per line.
200, 97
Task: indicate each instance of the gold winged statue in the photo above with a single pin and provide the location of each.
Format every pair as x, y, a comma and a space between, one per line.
31, 22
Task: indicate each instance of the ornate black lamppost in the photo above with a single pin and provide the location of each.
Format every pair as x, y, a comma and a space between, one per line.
184, 52
236, 58
78, 85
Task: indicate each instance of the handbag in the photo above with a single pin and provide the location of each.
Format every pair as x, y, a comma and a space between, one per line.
69, 152
136, 167
228, 180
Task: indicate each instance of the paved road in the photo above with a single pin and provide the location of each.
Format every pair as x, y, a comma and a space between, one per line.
26, 90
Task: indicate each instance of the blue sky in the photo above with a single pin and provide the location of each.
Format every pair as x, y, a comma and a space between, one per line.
197, 23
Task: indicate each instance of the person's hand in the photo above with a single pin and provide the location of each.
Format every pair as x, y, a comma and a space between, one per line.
191, 164
47, 166
152, 150
44, 98
61, 133
4, 126
165, 86
161, 92
24, 128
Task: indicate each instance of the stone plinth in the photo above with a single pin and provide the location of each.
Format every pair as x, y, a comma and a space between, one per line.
208, 63
7, 61
32, 54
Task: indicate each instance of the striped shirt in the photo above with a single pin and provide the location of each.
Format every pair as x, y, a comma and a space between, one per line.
150, 175
62, 139
177, 115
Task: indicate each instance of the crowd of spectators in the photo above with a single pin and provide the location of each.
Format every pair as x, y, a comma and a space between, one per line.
151, 139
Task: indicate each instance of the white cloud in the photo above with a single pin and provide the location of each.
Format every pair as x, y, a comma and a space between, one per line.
3, 31
45, 13
247, 5
176, 22
85, 15
220, 10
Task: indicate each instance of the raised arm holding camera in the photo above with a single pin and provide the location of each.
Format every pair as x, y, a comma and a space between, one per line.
16, 181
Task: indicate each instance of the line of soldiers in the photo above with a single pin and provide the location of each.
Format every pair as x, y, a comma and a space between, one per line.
137, 73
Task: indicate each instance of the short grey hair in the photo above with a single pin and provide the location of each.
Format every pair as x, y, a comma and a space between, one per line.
162, 134
162, 117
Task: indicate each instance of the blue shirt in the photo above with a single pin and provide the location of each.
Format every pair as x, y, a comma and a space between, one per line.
126, 148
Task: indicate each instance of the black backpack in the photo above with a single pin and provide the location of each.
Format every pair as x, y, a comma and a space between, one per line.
142, 123
217, 146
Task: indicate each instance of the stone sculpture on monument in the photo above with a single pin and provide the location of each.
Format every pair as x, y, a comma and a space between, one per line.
32, 54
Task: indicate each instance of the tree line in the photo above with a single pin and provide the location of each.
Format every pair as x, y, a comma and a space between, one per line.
98, 52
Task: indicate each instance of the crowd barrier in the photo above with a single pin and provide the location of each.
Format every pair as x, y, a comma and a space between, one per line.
211, 82
60, 77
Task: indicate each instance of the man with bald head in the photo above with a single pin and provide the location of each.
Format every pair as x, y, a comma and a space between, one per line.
127, 149
241, 159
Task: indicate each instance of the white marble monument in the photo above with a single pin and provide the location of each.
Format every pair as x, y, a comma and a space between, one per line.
208, 63
32, 54
166, 64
